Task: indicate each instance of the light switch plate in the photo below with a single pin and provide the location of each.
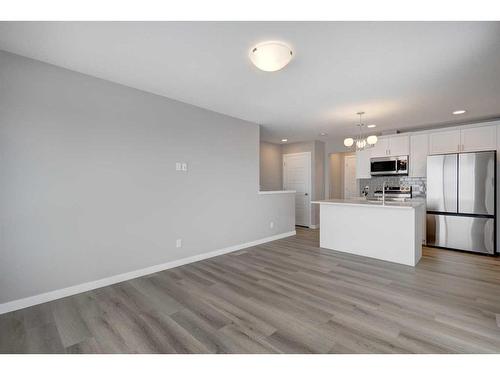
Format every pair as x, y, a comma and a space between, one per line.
184, 167
178, 242
178, 166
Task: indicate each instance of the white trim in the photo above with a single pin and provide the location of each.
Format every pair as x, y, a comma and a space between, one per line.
263, 192
314, 226
75, 289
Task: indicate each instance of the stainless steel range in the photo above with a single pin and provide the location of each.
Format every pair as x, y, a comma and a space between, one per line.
395, 193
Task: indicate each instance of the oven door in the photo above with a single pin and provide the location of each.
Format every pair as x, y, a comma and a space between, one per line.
383, 166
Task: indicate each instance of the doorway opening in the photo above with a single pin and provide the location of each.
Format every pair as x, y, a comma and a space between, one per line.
343, 183
297, 176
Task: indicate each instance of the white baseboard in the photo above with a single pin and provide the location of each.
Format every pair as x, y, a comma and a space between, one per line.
80, 288
313, 226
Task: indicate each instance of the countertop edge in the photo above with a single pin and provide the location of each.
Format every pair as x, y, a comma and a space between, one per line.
276, 192
365, 204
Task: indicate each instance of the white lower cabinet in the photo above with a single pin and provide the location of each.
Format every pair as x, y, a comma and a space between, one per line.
363, 164
419, 149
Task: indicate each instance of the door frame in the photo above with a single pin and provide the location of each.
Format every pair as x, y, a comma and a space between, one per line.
347, 157
309, 178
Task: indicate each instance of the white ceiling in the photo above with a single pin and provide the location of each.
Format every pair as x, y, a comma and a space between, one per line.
402, 74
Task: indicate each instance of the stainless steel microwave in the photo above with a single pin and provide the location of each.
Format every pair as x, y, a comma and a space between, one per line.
389, 166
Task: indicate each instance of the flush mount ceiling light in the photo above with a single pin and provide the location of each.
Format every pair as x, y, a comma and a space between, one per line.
459, 112
360, 142
371, 126
284, 140
323, 134
271, 56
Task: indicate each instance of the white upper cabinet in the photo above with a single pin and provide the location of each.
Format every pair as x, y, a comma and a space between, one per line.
399, 145
380, 148
391, 146
419, 145
482, 138
446, 142
419, 149
363, 163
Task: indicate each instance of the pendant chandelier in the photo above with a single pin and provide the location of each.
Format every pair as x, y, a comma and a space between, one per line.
360, 142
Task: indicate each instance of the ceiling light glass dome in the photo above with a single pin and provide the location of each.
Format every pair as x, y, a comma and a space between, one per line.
271, 56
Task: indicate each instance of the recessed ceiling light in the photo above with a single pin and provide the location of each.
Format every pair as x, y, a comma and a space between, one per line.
271, 56
371, 126
284, 140
323, 134
459, 112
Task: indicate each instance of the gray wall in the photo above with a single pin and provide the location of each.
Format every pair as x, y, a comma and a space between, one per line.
271, 166
89, 187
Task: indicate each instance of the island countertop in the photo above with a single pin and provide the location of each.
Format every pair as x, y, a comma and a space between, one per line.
372, 203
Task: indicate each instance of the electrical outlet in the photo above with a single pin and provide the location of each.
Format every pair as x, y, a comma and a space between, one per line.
271, 224
178, 242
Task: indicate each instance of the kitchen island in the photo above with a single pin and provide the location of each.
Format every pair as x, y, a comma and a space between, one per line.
390, 231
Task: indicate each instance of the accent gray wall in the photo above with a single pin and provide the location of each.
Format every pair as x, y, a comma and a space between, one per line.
271, 166
88, 182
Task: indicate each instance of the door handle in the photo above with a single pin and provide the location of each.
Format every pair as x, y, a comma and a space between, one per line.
306, 194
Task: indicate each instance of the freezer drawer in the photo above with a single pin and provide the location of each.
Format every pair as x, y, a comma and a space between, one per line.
442, 182
461, 233
476, 183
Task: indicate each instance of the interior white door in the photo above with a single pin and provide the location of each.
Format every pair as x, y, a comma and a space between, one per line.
297, 176
350, 181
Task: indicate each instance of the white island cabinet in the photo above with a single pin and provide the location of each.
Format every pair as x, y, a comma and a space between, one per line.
390, 232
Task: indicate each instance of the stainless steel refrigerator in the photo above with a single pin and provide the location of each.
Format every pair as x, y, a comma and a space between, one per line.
461, 201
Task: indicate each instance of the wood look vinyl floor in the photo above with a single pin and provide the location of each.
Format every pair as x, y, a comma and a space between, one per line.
286, 296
